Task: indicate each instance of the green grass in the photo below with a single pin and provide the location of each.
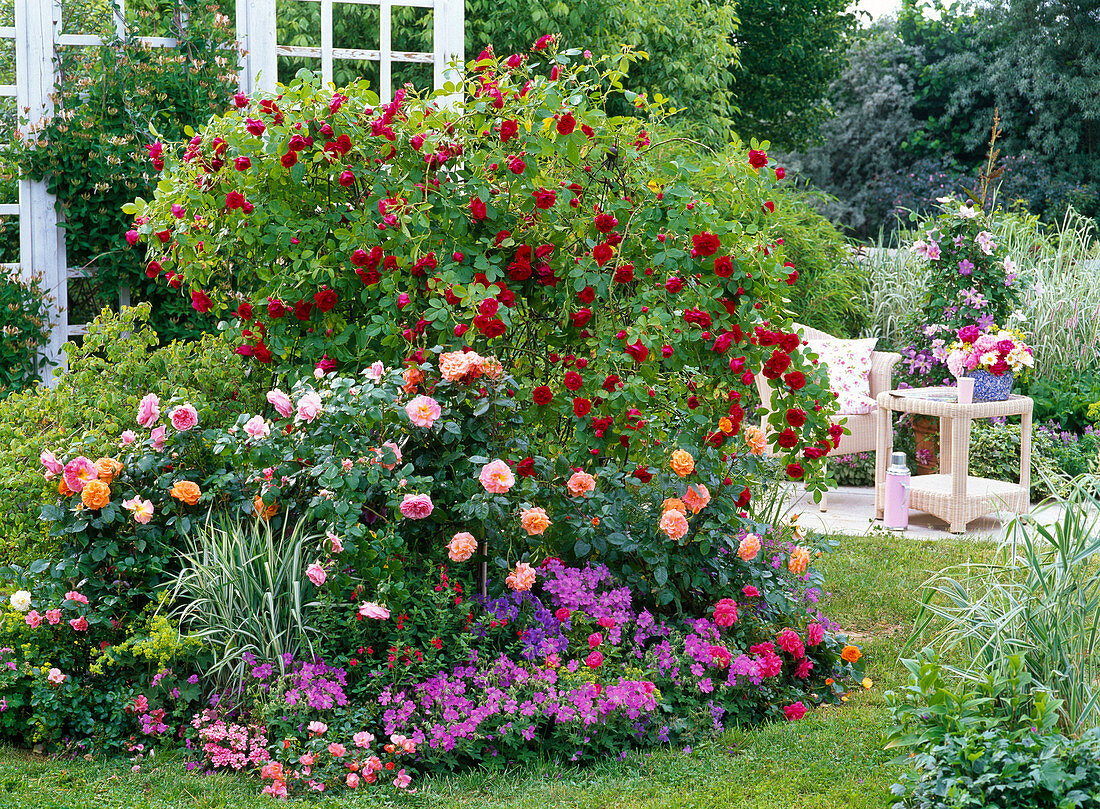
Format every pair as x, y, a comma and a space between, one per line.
831, 758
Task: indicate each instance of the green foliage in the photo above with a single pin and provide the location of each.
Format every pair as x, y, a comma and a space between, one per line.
242, 590
857, 469
1037, 599
790, 53
94, 402
995, 454
114, 99
24, 325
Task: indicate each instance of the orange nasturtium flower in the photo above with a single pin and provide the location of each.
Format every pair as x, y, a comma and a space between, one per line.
96, 494
185, 491
851, 654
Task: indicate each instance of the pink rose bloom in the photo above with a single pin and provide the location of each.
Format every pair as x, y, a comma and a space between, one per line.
148, 410
397, 454
33, 619
362, 739
461, 547
53, 466
307, 759
337, 750
353, 780
720, 656
594, 640
320, 728
75, 597
128, 437
794, 711
79, 624
805, 666
56, 677
184, 417
696, 497
423, 411
674, 524
725, 612
53, 617
257, 428
402, 780
815, 633
335, 544
594, 660
79, 471
283, 406
141, 509
580, 484
309, 406
316, 574
770, 664
157, 435
416, 506
373, 764
376, 371
790, 643
374, 611
496, 477
748, 591
522, 578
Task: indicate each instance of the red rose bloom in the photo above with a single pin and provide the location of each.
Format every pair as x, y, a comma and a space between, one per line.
302, 310
508, 130
624, 274
780, 173
544, 198
637, 351
289, 159
542, 395
602, 253
244, 311
723, 266
566, 124
573, 380
325, 299
643, 474
777, 363
796, 380
262, 353
757, 158
526, 468
605, 222
234, 199
275, 308
796, 417
744, 497
200, 301
516, 165
705, 244
477, 209
611, 383
581, 317
581, 407
674, 285
787, 439
794, 471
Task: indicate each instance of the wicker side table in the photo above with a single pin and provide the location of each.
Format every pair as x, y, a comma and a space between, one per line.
954, 495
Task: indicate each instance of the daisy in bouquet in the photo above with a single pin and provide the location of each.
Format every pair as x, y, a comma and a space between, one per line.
997, 351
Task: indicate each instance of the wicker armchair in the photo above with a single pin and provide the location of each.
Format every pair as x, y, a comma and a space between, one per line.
863, 426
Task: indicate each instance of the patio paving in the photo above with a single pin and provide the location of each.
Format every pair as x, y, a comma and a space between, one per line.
851, 510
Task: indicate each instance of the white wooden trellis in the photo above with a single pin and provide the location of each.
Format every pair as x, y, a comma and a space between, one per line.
38, 33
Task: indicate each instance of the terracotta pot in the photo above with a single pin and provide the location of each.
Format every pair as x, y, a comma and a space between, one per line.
926, 436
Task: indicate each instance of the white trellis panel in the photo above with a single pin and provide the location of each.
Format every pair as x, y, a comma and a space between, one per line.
259, 39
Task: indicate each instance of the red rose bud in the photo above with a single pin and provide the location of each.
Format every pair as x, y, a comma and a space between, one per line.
780, 173
581, 317
666, 351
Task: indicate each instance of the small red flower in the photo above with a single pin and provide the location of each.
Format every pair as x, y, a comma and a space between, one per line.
758, 158
566, 124
508, 130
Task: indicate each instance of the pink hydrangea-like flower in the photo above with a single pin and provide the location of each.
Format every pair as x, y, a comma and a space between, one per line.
281, 402
581, 484
316, 574
496, 477
522, 578
309, 407
725, 612
423, 411
53, 466
461, 547
79, 471
257, 428
815, 633
674, 524
416, 506
148, 410
184, 417
157, 435
374, 611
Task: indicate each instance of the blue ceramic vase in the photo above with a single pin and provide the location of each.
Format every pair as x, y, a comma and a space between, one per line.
991, 388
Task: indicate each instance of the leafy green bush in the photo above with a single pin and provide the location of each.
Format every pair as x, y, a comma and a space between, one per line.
24, 328
995, 454
1065, 395
857, 469
94, 402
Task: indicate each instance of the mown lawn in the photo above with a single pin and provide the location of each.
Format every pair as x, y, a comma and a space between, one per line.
831, 758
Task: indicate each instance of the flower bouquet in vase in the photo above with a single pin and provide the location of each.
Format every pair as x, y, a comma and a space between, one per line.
991, 357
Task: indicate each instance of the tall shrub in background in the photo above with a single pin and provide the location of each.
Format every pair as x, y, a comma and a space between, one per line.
24, 329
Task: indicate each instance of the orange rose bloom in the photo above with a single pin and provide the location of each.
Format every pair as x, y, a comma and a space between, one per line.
749, 547
851, 654
674, 504
107, 469
264, 512
725, 425
413, 377
96, 494
674, 524
682, 463
755, 439
696, 497
534, 521
580, 484
63, 489
800, 560
186, 491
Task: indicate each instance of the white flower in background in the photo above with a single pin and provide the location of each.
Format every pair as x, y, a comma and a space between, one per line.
21, 600
966, 212
376, 371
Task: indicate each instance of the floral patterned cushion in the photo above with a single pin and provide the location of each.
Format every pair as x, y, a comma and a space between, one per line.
849, 367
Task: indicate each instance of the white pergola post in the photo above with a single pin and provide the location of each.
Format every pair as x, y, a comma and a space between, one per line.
257, 38
41, 239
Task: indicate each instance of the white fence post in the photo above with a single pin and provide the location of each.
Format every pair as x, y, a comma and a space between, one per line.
256, 35
449, 42
41, 239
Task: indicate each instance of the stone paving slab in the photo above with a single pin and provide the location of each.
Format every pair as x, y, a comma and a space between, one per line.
851, 510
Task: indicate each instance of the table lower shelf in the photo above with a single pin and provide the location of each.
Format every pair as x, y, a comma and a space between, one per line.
933, 494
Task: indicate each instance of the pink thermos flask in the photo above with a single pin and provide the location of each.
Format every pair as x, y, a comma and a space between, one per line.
896, 511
